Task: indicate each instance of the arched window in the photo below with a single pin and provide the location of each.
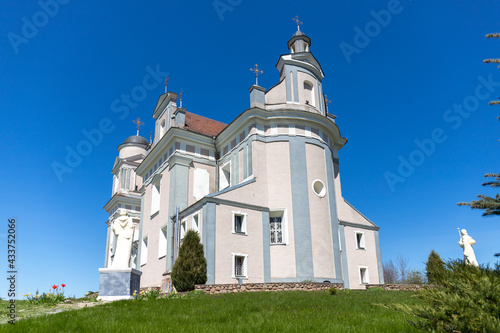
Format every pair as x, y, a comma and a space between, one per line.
309, 93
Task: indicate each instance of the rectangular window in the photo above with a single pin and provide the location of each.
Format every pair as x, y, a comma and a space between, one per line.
162, 243
144, 251
239, 223
183, 229
196, 222
155, 197
225, 176
276, 230
277, 227
363, 275
360, 240
240, 265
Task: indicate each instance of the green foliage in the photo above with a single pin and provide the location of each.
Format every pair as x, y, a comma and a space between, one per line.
465, 299
491, 206
150, 293
194, 293
402, 273
285, 311
332, 291
415, 277
190, 268
50, 298
434, 267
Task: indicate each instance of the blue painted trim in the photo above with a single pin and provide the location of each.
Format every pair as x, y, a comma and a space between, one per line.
227, 189
379, 258
250, 152
209, 240
333, 213
288, 84
178, 196
295, 85
301, 218
345, 268
358, 225
266, 244
245, 161
235, 161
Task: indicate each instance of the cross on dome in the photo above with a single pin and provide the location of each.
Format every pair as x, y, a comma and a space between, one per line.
257, 71
139, 123
180, 97
165, 83
296, 19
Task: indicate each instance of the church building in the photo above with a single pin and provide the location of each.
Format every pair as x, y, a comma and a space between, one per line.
263, 191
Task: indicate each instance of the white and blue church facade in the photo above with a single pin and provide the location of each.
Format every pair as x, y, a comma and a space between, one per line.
263, 192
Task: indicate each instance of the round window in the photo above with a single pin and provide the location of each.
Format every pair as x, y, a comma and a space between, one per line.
319, 188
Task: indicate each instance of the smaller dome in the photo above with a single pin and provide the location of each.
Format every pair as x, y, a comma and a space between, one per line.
299, 33
137, 139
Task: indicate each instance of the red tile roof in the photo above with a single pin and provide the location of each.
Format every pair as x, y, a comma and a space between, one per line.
203, 125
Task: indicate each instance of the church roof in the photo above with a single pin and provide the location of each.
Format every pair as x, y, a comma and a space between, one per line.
203, 125
137, 139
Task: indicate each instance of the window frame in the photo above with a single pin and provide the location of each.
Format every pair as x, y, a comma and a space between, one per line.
155, 196
144, 250
243, 222
225, 181
195, 226
245, 265
366, 275
284, 225
360, 243
184, 229
163, 241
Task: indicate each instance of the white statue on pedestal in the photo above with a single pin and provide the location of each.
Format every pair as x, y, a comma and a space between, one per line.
123, 228
466, 243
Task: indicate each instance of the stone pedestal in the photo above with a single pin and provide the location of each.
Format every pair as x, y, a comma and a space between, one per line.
118, 283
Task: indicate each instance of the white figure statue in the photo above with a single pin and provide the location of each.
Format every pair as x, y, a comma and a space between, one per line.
123, 228
466, 243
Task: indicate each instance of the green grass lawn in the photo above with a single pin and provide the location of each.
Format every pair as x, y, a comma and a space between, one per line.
290, 311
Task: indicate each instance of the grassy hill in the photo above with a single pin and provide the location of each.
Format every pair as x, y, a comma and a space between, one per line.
292, 311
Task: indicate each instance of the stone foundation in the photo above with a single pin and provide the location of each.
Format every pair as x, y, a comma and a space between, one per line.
410, 287
235, 288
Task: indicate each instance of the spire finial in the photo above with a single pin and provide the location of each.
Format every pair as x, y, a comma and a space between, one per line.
139, 123
180, 96
165, 83
296, 19
327, 102
257, 71
151, 137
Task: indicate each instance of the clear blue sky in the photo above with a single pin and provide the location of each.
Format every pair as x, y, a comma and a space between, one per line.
70, 73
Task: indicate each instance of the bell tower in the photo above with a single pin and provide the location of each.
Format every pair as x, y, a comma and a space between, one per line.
301, 78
